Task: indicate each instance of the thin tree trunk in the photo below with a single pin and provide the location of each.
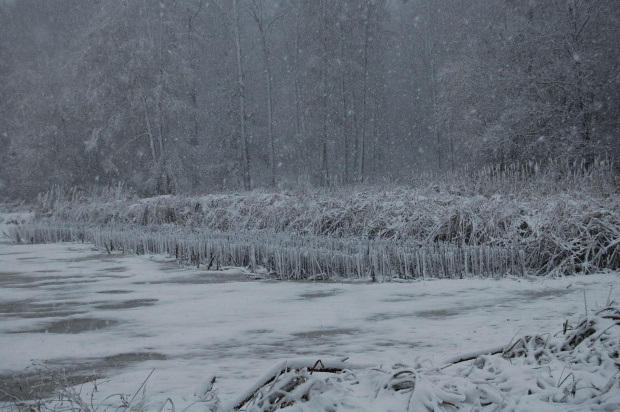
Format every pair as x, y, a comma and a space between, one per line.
147, 118
245, 158
149, 131
345, 108
438, 147
375, 140
300, 124
362, 144
164, 185
264, 28
578, 26
272, 152
356, 148
193, 93
324, 160
433, 68
452, 154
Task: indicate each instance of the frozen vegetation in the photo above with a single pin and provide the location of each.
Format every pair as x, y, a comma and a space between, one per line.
517, 220
181, 305
309, 205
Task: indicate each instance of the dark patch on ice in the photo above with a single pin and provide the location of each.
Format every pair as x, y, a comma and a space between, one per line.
389, 316
74, 326
8, 279
66, 281
201, 280
544, 294
397, 344
321, 294
28, 309
91, 257
405, 298
428, 314
21, 280
115, 292
325, 333
123, 359
34, 386
127, 304
43, 383
442, 313
108, 276
115, 269
260, 331
506, 305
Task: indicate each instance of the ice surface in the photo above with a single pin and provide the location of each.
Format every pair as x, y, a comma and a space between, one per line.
237, 331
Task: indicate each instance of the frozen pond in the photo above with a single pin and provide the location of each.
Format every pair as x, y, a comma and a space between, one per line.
120, 317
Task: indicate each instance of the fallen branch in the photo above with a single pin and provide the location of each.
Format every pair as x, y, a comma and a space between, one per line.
471, 355
334, 365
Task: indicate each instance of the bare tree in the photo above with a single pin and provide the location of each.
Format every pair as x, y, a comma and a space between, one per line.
234, 21
265, 25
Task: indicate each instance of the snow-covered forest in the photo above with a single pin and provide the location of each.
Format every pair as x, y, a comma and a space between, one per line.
309, 205
198, 96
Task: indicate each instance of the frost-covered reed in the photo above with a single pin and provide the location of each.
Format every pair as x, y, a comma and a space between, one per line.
558, 218
292, 256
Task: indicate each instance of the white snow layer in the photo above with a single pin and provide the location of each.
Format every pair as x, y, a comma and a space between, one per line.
125, 316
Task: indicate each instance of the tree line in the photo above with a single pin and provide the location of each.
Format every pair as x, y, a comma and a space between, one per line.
207, 95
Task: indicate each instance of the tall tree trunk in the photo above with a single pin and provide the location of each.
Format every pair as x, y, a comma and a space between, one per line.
356, 148
345, 110
432, 55
375, 140
299, 109
164, 183
193, 92
149, 131
258, 16
324, 138
362, 144
437, 137
272, 151
579, 23
245, 158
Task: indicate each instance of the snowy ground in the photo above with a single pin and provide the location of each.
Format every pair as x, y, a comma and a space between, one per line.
121, 317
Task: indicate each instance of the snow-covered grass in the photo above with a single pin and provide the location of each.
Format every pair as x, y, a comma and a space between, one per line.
471, 208
511, 220
117, 318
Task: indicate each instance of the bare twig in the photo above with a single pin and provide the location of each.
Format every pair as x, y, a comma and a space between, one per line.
143, 383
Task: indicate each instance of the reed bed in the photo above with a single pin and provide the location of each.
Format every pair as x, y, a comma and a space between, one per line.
516, 219
290, 256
